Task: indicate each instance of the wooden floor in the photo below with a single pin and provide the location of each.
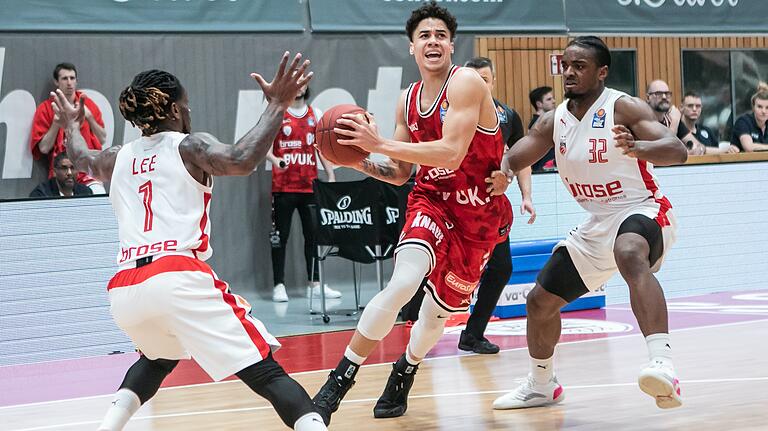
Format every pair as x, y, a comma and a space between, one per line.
723, 370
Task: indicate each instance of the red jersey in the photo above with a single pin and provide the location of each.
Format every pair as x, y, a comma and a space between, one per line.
459, 193
43, 120
294, 145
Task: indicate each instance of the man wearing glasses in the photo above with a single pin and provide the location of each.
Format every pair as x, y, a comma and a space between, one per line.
659, 97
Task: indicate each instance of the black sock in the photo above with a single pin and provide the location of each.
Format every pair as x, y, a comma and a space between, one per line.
346, 370
403, 366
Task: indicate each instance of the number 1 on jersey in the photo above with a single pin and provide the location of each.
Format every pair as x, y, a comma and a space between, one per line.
146, 190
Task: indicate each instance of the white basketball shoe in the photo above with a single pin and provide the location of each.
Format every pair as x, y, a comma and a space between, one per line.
658, 380
530, 394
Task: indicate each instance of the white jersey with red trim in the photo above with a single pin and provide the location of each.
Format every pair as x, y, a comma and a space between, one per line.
596, 173
161, 209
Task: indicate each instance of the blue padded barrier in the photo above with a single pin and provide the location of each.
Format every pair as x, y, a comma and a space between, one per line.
528, 257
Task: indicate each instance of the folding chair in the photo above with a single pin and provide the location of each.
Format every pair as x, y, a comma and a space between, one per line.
359, 221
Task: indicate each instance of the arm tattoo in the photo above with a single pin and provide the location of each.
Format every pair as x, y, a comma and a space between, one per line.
383, 171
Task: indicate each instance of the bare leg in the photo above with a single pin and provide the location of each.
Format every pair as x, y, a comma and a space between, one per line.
544, 324
631, 252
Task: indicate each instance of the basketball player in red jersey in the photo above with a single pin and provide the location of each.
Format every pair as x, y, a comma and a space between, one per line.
447, 124
168, 301
606, 144
294, 167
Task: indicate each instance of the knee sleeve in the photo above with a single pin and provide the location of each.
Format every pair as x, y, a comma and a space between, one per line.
268, 379
428, 329
379, 316
145, 376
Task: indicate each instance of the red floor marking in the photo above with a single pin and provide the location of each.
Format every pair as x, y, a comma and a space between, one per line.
49, 381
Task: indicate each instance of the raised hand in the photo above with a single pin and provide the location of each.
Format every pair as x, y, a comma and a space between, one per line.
287, 81
67, 113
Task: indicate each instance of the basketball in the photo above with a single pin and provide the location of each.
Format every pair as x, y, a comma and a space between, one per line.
327, 139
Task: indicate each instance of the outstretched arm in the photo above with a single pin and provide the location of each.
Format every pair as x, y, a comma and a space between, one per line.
98, 164
640, 135
203, 151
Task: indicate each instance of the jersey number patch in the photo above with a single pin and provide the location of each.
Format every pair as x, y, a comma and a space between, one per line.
599, 147
146, 191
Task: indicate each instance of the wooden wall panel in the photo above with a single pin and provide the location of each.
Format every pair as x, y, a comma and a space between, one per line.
522, 62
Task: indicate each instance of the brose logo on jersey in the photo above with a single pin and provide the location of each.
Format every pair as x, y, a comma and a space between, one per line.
595, 190
284, 145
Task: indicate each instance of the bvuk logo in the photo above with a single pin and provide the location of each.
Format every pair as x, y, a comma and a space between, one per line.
598, 121
443, 110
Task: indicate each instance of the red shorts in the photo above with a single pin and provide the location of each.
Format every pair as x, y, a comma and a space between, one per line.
456, 263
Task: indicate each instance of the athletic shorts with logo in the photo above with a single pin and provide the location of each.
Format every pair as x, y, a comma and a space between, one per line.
456, 263
176, 308
590, 245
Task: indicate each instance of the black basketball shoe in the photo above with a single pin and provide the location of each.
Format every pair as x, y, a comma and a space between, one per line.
330, 395
394, 401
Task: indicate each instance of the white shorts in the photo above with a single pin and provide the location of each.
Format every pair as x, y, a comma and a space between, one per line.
176, 307
590, 245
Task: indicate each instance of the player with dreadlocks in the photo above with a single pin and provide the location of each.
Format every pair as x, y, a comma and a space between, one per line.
165, 297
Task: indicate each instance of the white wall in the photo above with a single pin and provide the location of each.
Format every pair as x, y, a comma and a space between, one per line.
722, 238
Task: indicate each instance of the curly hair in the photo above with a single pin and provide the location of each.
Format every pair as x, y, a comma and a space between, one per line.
147, 101
431, 10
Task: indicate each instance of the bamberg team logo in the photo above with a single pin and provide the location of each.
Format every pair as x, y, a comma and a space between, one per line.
443, 110
563, 148
287, 130
598, 121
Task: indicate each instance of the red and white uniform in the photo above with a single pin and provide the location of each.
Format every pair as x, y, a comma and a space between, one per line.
449, 212
294, 145
608, 184
175, 307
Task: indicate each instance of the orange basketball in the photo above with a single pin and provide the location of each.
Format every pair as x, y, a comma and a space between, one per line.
327, 139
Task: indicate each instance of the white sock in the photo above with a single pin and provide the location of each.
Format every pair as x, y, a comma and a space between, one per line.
310, 422
354, 357
542, 370
659, 348
124, 405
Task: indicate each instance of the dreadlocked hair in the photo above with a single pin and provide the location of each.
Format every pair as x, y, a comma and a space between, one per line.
147, 101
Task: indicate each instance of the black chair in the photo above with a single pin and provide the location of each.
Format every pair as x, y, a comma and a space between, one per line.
358, 221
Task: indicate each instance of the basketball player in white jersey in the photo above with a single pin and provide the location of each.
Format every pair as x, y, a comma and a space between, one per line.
165, 297
605, 145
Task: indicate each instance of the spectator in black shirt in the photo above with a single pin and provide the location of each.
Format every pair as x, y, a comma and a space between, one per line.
63, 183
659, 98
543, 100
749, 131
499, 266
691, 111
